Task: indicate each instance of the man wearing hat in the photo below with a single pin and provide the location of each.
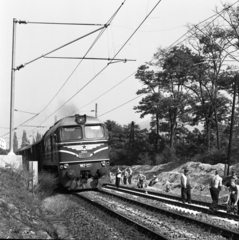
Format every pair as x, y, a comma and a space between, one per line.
215, 188
185, 187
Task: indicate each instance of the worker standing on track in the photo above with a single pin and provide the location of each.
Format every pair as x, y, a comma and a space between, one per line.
215, 188
125, 177
118, 177
186, 187
141, 180
130, 171
233, 198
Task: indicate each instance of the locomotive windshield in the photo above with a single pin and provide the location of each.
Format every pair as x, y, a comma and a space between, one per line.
94, 132
71, 133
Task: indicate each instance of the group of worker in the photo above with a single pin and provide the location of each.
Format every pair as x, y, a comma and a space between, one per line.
125, 177
215, 186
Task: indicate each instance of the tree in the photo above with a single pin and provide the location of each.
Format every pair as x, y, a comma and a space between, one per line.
15, 142
166, 98
213, 43
38, 137
25, 141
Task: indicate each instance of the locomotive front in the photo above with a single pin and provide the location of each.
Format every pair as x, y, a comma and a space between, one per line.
83, 153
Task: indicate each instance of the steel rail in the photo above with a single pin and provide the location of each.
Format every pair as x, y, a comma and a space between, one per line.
148, 232
230, 234
179, 204
206, 204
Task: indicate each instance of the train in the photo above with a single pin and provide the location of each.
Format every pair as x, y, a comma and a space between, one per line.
76, 149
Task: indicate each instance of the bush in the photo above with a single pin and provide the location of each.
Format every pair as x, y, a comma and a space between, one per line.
47, 183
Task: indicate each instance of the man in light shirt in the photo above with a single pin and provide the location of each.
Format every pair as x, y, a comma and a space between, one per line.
186, 187
215, 188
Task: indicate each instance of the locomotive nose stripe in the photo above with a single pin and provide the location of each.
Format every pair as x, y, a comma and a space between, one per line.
99, 150
84, 147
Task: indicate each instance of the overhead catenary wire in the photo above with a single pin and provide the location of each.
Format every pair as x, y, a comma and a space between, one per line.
217, 15
112, 17
153, 58
121, 105
64, 45
106, 65
58, 23
177, 40
108, 22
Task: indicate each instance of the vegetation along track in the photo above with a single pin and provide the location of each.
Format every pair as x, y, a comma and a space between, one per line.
199, 206
147, 231
202, 220
165, 223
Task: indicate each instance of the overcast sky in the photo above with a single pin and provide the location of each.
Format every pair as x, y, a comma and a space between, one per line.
38, 83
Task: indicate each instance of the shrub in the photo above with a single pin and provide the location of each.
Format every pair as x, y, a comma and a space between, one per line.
47, 183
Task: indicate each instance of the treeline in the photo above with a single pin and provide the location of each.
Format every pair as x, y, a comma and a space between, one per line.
188, 85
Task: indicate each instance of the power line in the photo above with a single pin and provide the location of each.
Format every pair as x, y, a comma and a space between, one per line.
108, 22
57, 23
121, 105
217, 14
149, 62
108, 63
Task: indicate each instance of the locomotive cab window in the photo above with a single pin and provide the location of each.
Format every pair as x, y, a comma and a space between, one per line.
71, 133
94, 132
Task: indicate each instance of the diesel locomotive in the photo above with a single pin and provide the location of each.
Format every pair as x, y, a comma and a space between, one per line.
76, 149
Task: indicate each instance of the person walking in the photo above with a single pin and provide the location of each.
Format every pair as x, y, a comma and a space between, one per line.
215, 188
118, 177
141, 180
233, 198
186, 187
130, 171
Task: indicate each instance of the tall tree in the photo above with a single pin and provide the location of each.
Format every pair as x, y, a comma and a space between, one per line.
25, 141
212, 42
38, 137
15, 142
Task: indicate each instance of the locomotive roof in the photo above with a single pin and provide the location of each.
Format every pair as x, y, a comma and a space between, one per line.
70, 121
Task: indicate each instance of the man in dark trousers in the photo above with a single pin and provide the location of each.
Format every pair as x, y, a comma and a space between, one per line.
118, 177
186, 187
215, 188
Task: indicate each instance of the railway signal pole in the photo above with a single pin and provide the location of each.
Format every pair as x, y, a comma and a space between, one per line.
12, 87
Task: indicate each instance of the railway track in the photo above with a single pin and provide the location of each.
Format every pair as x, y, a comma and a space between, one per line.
139, 227
198, 206
230, 234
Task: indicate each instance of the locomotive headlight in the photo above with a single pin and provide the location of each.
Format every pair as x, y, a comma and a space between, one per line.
66, 165
103, 163
71, 174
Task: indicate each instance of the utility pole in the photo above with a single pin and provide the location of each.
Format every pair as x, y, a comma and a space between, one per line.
12, 87
96, 110
226, 171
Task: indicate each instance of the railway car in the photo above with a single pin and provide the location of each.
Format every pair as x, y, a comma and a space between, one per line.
76, 148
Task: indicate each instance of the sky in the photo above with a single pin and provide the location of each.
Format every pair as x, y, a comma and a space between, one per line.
55, 88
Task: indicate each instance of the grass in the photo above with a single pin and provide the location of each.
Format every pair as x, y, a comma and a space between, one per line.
20, 207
